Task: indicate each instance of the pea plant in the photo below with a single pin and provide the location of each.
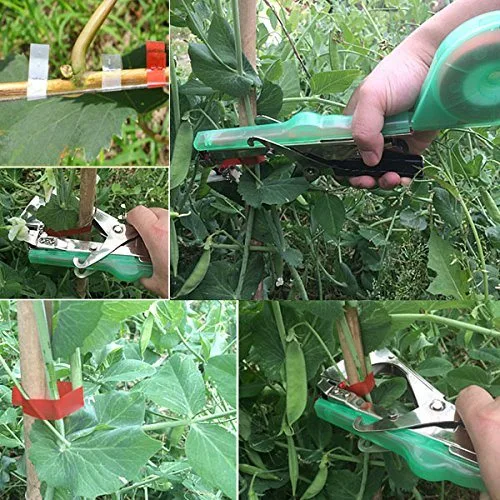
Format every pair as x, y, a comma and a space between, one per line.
117, 192
275, 235
81, 127
159, 380
286, 451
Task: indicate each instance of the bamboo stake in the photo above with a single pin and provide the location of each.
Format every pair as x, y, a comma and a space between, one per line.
33, 380
248, 26
88, 180
349, 333
91, 82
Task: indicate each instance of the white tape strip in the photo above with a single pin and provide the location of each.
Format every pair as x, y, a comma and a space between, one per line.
38, 72
111, 71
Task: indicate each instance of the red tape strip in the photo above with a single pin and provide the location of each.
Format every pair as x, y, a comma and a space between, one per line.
51, 409
249, 160
69, 232
362, 388
156, 62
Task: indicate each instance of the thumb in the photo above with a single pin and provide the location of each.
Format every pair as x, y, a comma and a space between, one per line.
367, 125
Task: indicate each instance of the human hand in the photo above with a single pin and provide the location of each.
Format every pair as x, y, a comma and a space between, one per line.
392, 87
152, 224
480, 414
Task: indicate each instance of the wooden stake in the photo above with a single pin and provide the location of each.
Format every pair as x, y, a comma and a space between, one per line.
248, 27
91, 82
354, 362
33, 380
88, 180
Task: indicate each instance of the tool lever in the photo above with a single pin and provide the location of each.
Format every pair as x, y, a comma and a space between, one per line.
405, 164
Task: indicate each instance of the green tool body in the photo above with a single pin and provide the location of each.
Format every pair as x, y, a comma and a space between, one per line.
427, 458
423, 429
462, 89
123, 267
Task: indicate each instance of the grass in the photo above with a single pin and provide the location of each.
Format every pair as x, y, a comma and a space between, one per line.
58, 23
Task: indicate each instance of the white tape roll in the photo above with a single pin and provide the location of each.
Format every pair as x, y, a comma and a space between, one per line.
111, 71
38, 72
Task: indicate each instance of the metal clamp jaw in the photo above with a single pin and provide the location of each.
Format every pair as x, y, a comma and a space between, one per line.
121, 253
430, 437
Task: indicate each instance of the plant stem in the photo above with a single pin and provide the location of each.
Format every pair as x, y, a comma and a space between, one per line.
179, 423
76, 369
299, 283
314, 99
174, 92
246, 251
278, 317
364, 477
87, 35
448, 322
188, 347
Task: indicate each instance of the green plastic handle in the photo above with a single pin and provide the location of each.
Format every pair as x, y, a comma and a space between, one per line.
426, 457
125, 268
303, 128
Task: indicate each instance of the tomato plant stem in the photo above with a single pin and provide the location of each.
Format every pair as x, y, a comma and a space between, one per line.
448, 322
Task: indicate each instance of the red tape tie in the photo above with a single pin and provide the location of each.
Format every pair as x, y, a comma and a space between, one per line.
69, 232
248, 160
363, 388
51, 409
156, 62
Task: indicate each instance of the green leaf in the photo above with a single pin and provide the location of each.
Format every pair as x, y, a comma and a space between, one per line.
58, 216
412, 219
375, 324
447, 207
462, 377
487, 354
90, 324
146, 331
389, 391
270, 100
107, 444
399, 472
451, 279
328, 213
343, 484
127, 370
211, 452
332, 82
222, 370
272, 190
42, 132
290, 84
178, 386
8, 442
434, 367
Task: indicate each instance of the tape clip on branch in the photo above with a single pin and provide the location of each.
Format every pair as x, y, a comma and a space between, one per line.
156, 62
361, 388
38, 72
111, 72
70, 401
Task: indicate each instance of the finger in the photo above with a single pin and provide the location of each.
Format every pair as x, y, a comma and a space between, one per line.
155, 285
471, 400
141, 216
353, 102
406, 181
419, 141
367, 124
162, 213
389, 180
363, 182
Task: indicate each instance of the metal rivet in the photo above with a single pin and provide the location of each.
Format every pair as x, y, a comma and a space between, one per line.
437, 405
392, 415
93, 247
118, 229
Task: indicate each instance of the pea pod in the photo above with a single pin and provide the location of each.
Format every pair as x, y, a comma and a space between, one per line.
199, 271
256, 471
181, 158
296, 382
252, 495
293, 463
174, 248
491, 206
319, 480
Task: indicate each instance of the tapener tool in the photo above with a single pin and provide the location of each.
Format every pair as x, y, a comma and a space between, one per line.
121, 252
462, 89
431, 438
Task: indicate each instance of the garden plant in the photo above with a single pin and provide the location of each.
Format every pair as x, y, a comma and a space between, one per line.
159, 385
118, 190
275, 235
286, 451
128, 127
